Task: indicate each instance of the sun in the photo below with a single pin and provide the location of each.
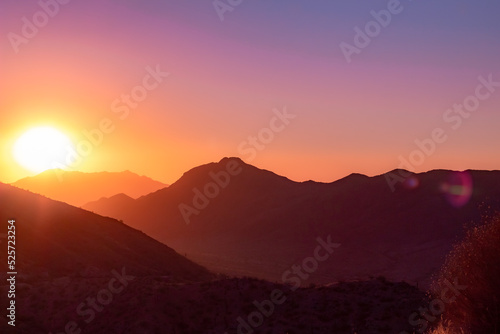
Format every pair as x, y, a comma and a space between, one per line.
42, 148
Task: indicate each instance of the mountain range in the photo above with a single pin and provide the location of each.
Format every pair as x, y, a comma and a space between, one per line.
78, 188
237, 219
83, 273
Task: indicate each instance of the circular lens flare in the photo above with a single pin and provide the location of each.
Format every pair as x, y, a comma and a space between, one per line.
458, 188
411, 183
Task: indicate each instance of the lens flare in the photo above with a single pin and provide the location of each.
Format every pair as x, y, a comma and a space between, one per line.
458, 188
412, 182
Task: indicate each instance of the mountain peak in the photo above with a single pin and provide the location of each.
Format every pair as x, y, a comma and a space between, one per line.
400, 171
353, 177
356, 176
227, 159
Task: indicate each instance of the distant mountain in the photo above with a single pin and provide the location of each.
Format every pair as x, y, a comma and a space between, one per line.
78, 188
261, 223
54, 240
101, 205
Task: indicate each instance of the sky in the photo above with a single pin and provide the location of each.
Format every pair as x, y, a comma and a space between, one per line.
268, 81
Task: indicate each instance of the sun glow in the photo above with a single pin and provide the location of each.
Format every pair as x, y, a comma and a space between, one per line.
42, 148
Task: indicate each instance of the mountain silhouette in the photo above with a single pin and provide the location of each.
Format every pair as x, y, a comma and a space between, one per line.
261, 223
118, 200
78, 188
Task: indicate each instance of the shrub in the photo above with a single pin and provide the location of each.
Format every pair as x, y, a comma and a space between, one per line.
475, 262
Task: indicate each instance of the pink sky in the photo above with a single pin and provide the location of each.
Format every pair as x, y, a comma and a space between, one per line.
227, 77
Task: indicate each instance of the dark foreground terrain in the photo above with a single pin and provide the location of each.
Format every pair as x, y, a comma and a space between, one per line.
155, 305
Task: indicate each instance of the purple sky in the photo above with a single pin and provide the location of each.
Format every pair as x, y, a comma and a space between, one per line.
226, 77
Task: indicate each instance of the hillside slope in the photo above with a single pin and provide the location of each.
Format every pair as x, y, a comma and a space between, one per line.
54, 239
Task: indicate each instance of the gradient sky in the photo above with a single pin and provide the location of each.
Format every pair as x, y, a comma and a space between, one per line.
226, 77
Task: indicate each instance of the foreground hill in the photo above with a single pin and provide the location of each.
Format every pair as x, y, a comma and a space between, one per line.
78, 188
261, 223
54, 240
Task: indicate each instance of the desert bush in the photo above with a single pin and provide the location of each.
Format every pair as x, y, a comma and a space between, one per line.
474, 263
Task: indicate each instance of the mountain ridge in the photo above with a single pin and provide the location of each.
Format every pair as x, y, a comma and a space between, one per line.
265, 221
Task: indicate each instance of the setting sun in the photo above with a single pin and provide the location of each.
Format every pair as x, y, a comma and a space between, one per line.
38, 149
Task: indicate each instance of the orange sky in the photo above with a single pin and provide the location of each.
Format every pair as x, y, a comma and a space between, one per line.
227, 77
